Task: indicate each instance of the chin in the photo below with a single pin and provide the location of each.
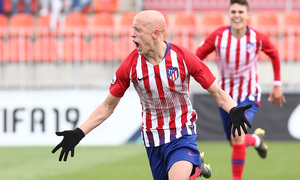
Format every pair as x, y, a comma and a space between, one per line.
239, 27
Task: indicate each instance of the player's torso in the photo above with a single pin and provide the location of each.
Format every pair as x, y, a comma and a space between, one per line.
237, 57
237, 64
163, 91
161, 86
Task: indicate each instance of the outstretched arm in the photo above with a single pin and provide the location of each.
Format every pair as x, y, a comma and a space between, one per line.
237, 114
100, 114
72, 137
223, 99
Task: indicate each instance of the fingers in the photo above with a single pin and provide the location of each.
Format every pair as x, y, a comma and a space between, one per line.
278, 100
239, 131
233, 131
66, 155
59, 133
61, 154
270, 98
248, 106
56, 148
72, 153
244, 129
248, 123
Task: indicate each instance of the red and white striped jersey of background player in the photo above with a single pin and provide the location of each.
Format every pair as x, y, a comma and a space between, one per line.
167, 112
237, 61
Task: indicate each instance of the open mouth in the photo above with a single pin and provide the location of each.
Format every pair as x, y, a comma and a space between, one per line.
137, 45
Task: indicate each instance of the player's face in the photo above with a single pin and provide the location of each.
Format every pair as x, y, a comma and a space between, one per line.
238, 15
142, 37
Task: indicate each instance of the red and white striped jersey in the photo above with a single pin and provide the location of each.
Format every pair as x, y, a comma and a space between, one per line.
237, 61
167, 111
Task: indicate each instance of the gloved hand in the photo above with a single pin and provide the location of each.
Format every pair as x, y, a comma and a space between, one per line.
70, 140
238, 119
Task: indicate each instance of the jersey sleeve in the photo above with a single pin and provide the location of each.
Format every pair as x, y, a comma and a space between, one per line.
199, 70
269, 49
206, 47
121, 79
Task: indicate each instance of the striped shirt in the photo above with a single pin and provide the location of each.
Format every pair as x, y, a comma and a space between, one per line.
237, 61
167, 111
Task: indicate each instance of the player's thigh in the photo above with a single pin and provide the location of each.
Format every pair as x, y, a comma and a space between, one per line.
226, 121
180, 170
250, 113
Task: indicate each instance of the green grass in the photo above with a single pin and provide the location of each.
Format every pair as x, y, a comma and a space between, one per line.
129, 162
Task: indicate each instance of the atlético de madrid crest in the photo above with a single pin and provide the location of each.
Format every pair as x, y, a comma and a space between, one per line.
173, 73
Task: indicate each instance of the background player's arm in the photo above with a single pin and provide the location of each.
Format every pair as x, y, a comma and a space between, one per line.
100, 114
276, 96
206, 47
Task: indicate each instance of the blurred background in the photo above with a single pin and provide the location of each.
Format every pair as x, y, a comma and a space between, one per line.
62, 44
57, 59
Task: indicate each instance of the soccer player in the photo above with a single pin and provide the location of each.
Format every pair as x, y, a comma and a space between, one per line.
237, 47
160, 73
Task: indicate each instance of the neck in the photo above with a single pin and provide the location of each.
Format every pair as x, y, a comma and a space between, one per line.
157, 54
239, 33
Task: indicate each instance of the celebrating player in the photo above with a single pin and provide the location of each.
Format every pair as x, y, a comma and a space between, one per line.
237, 47
160, 73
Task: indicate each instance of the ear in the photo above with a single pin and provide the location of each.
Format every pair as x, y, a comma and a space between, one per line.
155, 34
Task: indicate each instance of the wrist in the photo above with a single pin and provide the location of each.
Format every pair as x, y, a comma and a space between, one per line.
277, 83
79, 133
231, 111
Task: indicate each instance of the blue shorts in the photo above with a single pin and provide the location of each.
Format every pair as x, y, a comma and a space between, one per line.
161, 158
249, 114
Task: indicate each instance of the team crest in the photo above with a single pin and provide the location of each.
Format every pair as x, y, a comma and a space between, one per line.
250, 47
173, 73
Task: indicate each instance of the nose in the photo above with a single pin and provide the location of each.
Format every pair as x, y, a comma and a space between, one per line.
236, 14
132, 34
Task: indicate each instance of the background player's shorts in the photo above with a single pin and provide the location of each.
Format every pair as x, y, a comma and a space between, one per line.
161, 158
249, 114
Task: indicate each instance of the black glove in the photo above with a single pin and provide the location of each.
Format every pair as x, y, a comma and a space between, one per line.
70, 140
238, 119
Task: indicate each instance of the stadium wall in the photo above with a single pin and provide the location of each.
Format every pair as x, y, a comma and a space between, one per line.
279, 123
31, 118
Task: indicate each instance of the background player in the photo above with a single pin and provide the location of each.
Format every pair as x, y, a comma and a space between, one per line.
237, 47
160, 72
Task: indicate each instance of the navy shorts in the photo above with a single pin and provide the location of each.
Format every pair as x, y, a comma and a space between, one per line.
249, 114
161, 158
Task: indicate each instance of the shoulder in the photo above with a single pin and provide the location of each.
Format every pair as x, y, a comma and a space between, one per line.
132, 56
128, 64
180, 51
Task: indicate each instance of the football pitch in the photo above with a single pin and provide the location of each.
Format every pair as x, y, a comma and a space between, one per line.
129, 162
